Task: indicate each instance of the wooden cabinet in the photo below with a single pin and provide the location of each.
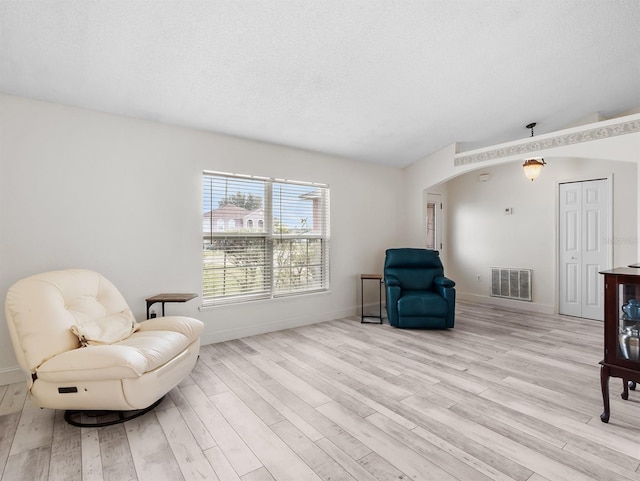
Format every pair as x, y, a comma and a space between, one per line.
621, 332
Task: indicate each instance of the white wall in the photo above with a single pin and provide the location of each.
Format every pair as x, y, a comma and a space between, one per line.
479, 235
482, 236
420, 177
123, 197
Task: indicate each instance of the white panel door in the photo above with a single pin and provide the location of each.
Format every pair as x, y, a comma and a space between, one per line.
570, 254
584, 212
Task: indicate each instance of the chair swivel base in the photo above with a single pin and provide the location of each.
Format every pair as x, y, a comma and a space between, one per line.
73, 416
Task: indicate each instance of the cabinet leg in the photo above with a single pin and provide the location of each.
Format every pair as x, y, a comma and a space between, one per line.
632, 385
625, 389
604, 384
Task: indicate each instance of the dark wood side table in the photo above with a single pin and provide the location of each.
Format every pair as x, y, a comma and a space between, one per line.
168, 297
378, 278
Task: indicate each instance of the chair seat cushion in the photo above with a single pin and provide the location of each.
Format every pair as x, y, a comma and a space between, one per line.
142, 352
420, 303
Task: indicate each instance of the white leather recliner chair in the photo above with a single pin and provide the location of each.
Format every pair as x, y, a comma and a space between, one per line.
81, 349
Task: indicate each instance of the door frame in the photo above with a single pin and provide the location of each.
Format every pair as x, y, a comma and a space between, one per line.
439, 218
609, 227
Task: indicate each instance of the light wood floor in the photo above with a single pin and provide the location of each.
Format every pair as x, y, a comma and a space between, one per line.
504, 395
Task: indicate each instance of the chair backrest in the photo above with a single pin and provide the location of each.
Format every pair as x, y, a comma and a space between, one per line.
414, 268
41, 309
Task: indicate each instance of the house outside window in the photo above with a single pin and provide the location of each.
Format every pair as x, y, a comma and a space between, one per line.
263, 238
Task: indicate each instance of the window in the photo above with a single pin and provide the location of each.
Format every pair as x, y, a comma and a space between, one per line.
276, 240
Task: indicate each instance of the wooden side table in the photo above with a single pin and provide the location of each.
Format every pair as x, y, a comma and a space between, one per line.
378, 278
168, 297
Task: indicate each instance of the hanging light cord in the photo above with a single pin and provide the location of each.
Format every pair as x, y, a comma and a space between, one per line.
531, 126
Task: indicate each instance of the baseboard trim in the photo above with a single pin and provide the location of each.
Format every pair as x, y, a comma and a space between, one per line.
11, 376
507, 303
238, 333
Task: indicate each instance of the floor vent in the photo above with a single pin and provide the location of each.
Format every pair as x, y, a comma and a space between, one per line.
511, 283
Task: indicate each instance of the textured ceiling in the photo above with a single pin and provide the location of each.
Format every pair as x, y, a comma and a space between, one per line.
381, 81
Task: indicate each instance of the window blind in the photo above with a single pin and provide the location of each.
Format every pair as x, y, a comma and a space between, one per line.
263, 237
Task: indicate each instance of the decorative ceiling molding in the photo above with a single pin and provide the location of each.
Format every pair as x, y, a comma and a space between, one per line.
551, 142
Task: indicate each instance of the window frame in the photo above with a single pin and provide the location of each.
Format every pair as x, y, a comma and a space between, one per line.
267, 288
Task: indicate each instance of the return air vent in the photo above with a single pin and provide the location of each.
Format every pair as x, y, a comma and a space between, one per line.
511, 283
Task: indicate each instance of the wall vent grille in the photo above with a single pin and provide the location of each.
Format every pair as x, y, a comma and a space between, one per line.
511, 283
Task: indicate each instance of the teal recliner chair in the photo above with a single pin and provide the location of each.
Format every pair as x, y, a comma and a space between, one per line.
419, 296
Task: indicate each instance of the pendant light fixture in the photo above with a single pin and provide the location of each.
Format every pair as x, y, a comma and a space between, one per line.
533, 166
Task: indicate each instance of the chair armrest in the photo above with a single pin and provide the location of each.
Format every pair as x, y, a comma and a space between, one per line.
391, 280
393, 293
443, 281
445, 288
189, 327
94, 363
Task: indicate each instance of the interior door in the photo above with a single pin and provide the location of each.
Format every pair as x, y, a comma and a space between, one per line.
583, 251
